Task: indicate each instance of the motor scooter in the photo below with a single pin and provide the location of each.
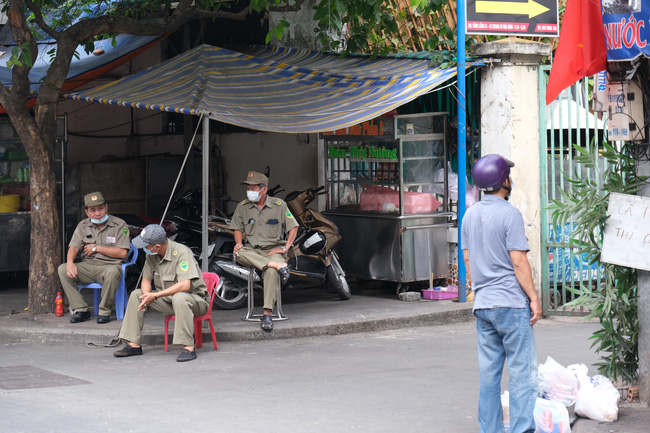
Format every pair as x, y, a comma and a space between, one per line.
312, 260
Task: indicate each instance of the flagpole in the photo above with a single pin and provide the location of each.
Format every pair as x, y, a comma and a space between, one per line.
462, 163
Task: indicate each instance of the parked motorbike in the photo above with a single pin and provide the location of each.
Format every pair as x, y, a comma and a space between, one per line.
312, 261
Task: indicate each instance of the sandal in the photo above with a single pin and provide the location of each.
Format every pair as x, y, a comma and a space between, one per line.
284, 275
267, 323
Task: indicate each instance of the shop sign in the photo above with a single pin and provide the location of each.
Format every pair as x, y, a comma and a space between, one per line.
527, 18
626, 28
362, 152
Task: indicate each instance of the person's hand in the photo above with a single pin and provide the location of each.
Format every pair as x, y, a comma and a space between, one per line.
145, 300
238, 247
88, 249
276, 251
71, 270
535, 311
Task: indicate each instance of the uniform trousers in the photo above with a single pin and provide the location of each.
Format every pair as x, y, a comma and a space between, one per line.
183, 305
108, 276
259, 259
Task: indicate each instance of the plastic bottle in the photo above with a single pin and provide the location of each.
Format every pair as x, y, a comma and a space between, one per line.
59, 304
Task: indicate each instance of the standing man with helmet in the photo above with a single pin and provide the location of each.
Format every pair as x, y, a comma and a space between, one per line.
507, 305
103, 240
264, 220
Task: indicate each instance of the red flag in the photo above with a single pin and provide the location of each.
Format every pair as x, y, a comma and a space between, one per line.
581, 50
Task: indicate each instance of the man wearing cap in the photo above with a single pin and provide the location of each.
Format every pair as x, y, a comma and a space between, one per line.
263, 220
172, 284
103, 240
506, 303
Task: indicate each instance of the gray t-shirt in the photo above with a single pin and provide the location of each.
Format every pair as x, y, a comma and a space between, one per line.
490, 230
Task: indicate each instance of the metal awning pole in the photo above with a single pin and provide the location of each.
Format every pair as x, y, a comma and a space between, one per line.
462, 152
204, 193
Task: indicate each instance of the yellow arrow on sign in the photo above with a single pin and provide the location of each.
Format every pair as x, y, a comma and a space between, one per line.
530, 8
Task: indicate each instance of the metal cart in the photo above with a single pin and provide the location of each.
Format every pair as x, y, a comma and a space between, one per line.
388, 197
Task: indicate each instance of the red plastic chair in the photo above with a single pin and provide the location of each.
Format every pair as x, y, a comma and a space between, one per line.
211, 281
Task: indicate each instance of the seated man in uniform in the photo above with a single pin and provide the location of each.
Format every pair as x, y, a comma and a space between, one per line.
104, 241
172, 284
264, 220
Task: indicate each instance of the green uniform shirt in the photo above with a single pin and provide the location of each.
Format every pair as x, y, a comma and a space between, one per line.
177, 265
114, 233
263, 228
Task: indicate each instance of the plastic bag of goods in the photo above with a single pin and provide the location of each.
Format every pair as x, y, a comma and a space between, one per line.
557, 382
551, 417
597, 397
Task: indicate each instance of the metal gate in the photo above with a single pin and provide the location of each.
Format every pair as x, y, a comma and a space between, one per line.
564, 122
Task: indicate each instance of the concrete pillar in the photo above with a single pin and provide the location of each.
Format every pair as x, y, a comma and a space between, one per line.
510, 126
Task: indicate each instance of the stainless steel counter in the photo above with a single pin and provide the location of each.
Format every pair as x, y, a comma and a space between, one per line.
391, 247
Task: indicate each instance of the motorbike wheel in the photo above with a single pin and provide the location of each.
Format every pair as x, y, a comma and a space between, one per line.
231, 296
336, 279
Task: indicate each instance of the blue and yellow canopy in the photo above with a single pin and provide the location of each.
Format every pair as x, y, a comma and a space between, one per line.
274, 89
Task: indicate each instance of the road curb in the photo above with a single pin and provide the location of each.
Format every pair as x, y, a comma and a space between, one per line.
39, 329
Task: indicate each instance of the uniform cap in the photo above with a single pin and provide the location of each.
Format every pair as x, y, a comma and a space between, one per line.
255, 178
150, 235
93, 199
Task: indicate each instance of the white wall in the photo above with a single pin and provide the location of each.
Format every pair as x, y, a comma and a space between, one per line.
293, 159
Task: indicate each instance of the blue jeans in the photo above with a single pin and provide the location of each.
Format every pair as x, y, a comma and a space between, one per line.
506, 333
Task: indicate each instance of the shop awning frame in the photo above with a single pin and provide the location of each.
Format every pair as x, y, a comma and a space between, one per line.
271, 89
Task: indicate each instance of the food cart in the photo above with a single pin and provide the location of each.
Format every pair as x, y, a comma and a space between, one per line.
388, 195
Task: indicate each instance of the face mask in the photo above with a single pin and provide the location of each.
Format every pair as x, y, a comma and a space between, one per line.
253, 196
147, 251
101, 221
509, 189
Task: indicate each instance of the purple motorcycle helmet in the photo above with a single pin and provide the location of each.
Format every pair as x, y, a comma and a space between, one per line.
491, 171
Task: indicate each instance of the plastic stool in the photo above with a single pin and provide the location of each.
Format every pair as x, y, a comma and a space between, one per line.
251, 302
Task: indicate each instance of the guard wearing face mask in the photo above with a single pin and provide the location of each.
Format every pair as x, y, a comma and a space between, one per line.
263, 220
103, 241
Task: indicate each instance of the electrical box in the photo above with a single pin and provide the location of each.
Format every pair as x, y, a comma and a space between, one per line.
625, 119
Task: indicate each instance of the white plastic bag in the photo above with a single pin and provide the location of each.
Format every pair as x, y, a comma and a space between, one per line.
557, 382
551, 417
597, 396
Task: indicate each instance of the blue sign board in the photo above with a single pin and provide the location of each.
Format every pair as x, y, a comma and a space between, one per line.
627, 28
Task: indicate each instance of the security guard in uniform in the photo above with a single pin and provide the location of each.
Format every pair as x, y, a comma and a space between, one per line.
103, 240
172, 284
264, 220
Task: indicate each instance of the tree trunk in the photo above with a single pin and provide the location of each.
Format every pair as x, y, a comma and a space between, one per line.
45, 242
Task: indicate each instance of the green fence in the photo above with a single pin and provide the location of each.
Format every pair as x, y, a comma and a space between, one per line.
565, 122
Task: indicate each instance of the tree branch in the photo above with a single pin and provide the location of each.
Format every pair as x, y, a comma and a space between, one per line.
39, 20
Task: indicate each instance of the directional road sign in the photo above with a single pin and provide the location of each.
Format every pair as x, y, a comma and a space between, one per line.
514, 18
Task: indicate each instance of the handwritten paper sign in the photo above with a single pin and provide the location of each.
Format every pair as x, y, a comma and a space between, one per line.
627, 232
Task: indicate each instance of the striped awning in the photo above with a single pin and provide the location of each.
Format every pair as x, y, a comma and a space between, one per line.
274, 89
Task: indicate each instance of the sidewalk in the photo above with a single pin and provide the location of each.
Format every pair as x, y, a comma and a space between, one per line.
312, 313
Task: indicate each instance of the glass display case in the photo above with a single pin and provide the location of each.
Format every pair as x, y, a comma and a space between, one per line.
388, 196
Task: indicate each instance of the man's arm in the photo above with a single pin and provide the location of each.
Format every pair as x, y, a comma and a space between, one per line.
70, 267
525, 277
239, 239
114, 252
148, 297
290, 238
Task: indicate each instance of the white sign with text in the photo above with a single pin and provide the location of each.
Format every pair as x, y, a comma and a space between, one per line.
627, 232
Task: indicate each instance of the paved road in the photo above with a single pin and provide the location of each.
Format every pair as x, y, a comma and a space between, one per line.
409, 380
